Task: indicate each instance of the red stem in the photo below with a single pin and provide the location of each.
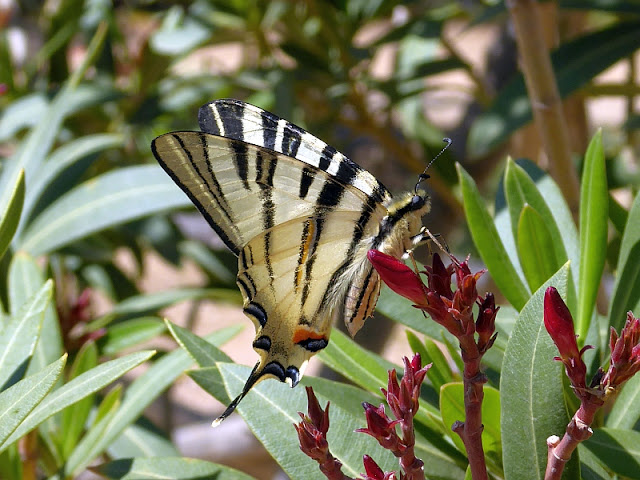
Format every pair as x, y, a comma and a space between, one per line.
470, 431
413, 467
578, 430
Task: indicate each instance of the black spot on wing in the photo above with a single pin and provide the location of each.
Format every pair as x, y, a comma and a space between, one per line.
256, 311
262, 343
313, 344
275, 369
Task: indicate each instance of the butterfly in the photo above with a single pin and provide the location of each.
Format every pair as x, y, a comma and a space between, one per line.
300, 216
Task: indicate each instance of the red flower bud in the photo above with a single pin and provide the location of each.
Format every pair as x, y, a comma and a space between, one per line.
381, 427
400, 278
559, 325
625, 353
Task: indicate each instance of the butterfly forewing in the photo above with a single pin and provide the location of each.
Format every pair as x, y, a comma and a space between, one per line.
241, 121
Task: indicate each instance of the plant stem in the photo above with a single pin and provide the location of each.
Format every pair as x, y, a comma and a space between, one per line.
545, 97
559, 451
413, 467
470, 431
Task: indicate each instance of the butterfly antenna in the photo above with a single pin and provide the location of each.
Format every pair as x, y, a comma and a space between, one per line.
424, 176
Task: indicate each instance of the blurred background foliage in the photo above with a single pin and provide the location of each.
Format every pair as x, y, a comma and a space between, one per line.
85, 85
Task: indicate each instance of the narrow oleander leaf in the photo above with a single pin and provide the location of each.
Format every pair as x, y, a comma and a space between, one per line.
203, 352
79, 388
10, 217
151, 302
166, 468
488, 242
63, 158
594, 213
625, 412
25, 279
130, 333
618, 450
142, 439
452, 409
144, 390
535, 248
591, 468
526, 183
74, 417
626, 290
105, 201
17, 401
532, 395
575, 63
18, 339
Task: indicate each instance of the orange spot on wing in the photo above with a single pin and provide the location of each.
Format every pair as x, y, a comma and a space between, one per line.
302, 334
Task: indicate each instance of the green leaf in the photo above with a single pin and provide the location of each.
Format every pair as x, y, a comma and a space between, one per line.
130, 333
105, 201
19, 337
74, 417
575, 63
77, 389
626, 410
144, 390
10, 217
25, 279
590, 466
535, 248
210, 380
151, 302
594, 213
271, 405
63, 158
544, 196
204, 353
485, 237
618, 450
16, 402
142, 439
169, 468
452, 409
532, 400
626, 291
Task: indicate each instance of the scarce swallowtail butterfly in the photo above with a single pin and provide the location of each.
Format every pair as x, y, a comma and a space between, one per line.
300, 216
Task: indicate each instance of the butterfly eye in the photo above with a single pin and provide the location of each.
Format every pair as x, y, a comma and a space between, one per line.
417, 202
